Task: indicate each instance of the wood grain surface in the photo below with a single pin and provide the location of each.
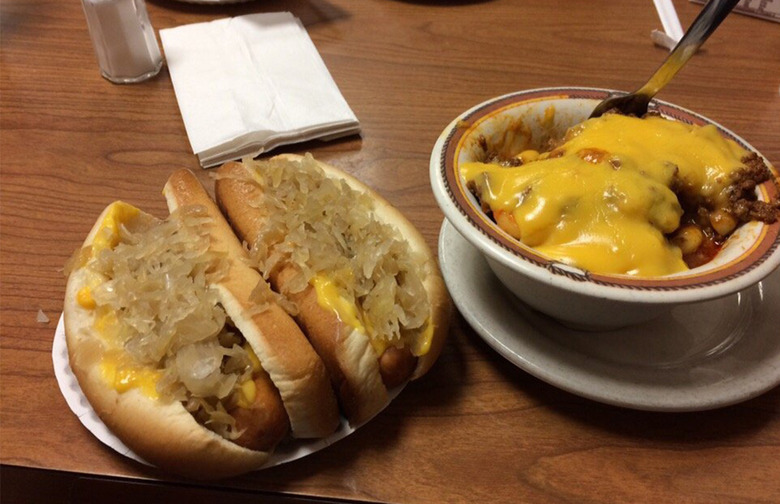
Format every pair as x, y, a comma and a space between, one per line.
476, 429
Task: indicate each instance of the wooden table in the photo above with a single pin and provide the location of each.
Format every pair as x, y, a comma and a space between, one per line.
476, 429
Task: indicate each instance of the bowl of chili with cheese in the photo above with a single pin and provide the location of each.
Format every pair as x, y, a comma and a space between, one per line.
610, 221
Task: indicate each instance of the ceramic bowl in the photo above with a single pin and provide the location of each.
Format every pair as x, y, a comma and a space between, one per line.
576, 297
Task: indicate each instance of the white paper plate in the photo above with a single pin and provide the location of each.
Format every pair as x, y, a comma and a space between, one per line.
701, 356
78, 403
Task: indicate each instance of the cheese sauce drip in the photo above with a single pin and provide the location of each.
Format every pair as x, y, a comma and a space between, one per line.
603, 199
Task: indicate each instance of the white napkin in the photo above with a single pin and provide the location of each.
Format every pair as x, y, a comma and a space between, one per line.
251, 83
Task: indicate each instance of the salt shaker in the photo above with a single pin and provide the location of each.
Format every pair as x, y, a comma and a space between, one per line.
124, 39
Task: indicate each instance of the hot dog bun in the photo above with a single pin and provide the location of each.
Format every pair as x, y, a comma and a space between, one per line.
285, 353
362, 368
112, 318
162, 432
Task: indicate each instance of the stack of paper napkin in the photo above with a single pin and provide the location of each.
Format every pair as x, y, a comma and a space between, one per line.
251, 83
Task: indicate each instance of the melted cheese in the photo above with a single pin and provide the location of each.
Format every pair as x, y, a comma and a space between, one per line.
107, 236
122, 374
602, 200
253, 359
116, 367
107, 326
247, 393
330, 298
84, 298
422, 344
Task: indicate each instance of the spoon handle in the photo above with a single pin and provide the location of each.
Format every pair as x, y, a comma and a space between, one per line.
702, 27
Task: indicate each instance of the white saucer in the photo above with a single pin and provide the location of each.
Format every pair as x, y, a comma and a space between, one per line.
701, 356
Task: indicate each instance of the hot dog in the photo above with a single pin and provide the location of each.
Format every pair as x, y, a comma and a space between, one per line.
171, 352
364, 285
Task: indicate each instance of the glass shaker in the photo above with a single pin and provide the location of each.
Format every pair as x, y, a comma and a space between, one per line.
124, 39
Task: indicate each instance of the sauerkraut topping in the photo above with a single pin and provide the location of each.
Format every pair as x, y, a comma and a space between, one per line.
153, 302
329, 231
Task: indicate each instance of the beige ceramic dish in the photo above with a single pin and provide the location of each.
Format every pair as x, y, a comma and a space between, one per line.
576, 297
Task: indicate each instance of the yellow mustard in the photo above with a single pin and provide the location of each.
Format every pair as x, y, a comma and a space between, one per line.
602, 200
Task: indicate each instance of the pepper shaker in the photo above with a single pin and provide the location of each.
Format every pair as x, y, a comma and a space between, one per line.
124, 40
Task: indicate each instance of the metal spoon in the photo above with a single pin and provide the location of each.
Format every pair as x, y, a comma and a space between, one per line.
707, 21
